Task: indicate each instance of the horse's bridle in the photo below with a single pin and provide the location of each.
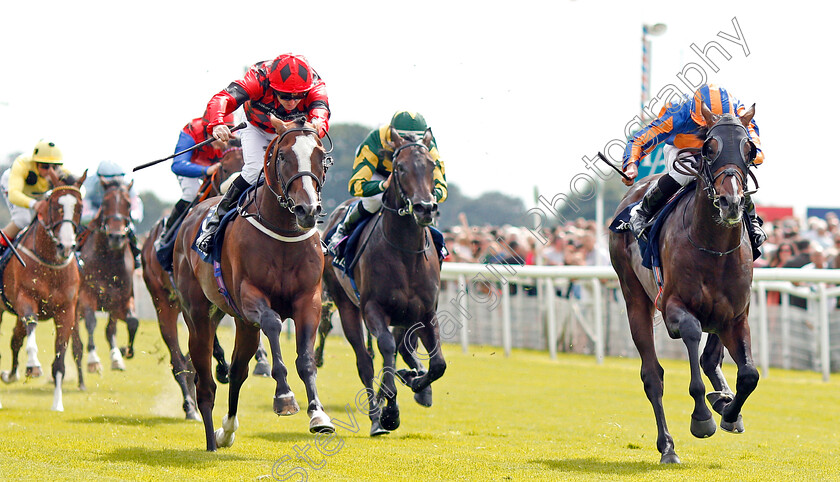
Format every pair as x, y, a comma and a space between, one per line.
49, 226
408, 206
272, 152
103, 221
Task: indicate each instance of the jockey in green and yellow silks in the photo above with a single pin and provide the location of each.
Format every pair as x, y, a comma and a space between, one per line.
372, 167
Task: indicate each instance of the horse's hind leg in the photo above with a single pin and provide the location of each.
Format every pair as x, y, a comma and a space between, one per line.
18, 334
406, 346
94, 364
351, 324
202, 334
737, 341
430, 336
247, 339
262, 368
78, 353
324, 328
640, 314
132, 324
702, 424
182, 370
711, 361
222, 368
117, 362
378, 323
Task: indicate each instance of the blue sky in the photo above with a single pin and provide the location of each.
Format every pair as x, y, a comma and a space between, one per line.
516, 97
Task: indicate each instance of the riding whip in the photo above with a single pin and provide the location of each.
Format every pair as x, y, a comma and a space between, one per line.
604, 158
12, 247
200, 144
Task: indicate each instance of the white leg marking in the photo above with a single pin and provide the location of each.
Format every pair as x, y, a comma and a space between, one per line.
58, 405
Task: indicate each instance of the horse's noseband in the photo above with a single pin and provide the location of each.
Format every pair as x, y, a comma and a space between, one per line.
408, 206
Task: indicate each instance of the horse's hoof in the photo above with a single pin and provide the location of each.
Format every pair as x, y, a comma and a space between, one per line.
377, 430
222, 374
95, 367
286, 405
669, 458
224, 439
733, 427
193, 415
8, 377
718, 400
127, 352
424, 397
405, 376
703, 428
262, 369
82, 387
118, 365
390, 417
319, 360
33, 372
319, 422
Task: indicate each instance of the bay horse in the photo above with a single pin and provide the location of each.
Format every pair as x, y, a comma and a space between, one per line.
707, 267
397, 273
107, 272
48, 286
159, 284
271, 265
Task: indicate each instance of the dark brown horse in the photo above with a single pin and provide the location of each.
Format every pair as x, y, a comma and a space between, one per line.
398, 278
271, 264
159, 284
107, 271
48, 286
707, 268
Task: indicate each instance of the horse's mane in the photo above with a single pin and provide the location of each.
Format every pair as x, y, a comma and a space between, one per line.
112, 184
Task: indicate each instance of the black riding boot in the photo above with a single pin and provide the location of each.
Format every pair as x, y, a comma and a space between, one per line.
210, 225
754, 223
132, 243
356, 213
655, 198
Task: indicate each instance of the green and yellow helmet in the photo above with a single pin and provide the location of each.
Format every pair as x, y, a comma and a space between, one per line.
47, 153
407, 122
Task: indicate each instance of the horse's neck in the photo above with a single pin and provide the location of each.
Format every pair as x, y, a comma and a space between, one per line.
706, 229
270, 209
400, 230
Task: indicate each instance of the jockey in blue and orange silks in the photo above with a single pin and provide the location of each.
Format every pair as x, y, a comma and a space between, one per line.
680, 126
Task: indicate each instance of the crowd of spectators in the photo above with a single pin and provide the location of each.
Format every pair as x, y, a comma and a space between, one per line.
790, 244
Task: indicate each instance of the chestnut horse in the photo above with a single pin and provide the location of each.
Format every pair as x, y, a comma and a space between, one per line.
397, 274
271, 263
107, 271
48, 286
158, 282
707, 267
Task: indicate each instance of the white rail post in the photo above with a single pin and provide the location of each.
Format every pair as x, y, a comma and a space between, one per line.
825, 346
763, 327
551, 316
506, 336
597, 313
784, 316
462, 314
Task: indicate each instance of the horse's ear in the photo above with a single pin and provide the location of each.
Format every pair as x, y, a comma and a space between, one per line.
81, 180
130, 185
707, 115
279, 126
396, 139
427, 138
747, 117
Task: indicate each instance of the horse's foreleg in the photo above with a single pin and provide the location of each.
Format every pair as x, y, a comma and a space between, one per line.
247, 339
406, 346
378, 323
430, 336
257, 310
351, 323
33, 365
737, 341
306, 318
94, 364
65, 323
702, 424
132, 324
222, 368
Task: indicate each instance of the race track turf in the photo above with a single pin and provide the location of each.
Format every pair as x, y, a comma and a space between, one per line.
494, 418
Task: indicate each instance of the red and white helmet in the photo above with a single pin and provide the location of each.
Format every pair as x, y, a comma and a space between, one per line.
290, 73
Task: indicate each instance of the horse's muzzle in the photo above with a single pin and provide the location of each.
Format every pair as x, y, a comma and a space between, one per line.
424, 212
306, 215
731, 208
